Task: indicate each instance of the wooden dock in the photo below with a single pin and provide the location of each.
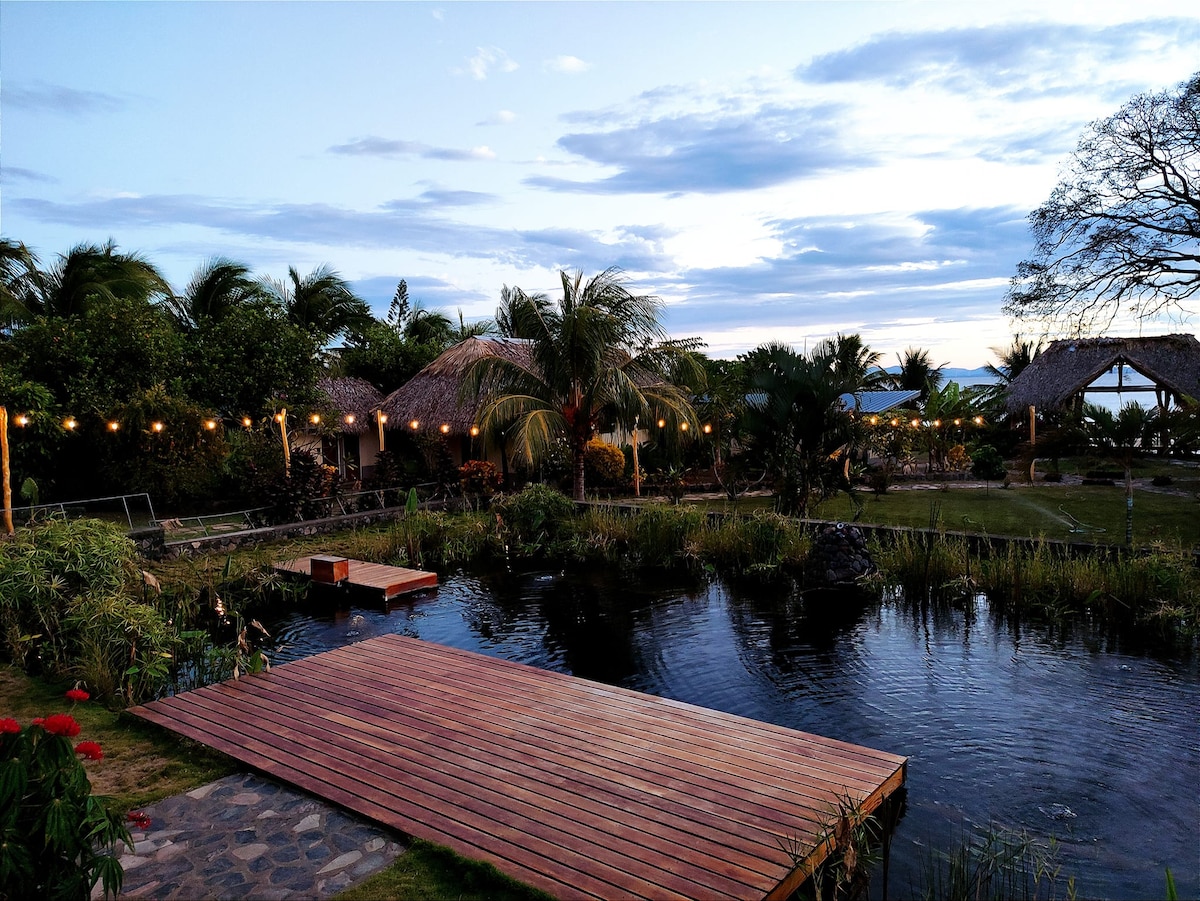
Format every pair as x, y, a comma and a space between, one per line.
581, 789
390, 580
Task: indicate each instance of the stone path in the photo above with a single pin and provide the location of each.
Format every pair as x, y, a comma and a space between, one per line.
246, 836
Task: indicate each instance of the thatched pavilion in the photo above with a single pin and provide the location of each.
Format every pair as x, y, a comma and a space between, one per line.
354, 445
1060, 375
431, 403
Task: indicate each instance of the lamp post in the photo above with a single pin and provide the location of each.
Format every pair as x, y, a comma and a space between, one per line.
637, 473
5, 475
281, 418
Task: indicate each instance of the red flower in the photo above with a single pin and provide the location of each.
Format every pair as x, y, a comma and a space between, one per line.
39, 721
139, 819
8, 724
89, 750
61, 724
77, 694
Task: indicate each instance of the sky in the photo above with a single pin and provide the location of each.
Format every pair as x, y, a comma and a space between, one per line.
772, 171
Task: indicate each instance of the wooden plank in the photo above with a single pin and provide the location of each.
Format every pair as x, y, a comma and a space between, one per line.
578, 788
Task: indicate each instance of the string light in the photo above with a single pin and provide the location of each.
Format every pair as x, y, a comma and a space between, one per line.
661, 423
279, 417
707, 428
315, 419
382, 416
683, 426
113, 426
414, 424
210, 424
874, 420
69, 423
445, 428
474, 431
247, 422
978, 420
158, 426
915, 423
895, 422
22, 420
349, 419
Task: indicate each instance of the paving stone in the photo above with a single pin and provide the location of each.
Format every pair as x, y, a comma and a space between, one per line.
341, 862
246, 836
250, 852
309, 822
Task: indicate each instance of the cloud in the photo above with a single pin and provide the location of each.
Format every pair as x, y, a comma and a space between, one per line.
1029, 59
712, 153
487, 60
53, 98
384, 147
500, 117
11, 174
404, 224
937, 264
567, 65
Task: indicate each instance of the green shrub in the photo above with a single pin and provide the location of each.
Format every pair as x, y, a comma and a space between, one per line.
57, 840
71, 603
478, 478
536, 519
604, 463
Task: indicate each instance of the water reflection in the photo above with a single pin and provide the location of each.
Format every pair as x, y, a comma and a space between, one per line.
1073, 730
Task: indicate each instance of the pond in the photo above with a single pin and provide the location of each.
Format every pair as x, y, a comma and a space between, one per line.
1062, 731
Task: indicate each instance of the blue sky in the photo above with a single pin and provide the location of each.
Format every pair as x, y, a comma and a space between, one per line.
773, 171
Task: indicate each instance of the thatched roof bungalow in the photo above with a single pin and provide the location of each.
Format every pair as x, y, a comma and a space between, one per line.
432, 398
355, 401
1060, 375
354, 447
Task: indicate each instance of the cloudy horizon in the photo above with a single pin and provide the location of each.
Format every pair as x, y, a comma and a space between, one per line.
772, 171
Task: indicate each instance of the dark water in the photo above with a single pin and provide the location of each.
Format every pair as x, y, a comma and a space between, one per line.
1070, 733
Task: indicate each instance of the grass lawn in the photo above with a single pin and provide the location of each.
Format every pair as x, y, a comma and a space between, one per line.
141, 764
1040, 510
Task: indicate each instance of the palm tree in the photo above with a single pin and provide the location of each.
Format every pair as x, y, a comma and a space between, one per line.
1013, 359
1121, 438
320, 302
600, 351
917, 372
851, 360
89, 273
218, 287
20, 282
795, 422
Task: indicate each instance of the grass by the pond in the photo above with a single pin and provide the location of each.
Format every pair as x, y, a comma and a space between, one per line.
1068, 512
141, 764
1051, 511
431, 872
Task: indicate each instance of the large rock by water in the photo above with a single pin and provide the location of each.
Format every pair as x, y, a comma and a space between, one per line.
840, 555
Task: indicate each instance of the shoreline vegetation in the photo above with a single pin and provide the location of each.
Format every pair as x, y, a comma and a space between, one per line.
203, 607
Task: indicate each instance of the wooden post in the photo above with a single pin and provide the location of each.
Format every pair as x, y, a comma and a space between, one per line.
637, 474
5, 474
287, 451
379, 421
1032, 441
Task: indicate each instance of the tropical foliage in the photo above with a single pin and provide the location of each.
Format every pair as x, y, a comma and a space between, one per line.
598, 355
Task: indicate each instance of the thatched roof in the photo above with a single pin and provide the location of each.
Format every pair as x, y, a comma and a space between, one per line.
352, 397
432, 395
1066, 368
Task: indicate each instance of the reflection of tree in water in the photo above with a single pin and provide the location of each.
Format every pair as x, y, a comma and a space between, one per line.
593, 619
799, 641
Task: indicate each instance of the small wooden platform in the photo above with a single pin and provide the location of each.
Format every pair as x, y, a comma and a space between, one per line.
578, 788
391, 580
